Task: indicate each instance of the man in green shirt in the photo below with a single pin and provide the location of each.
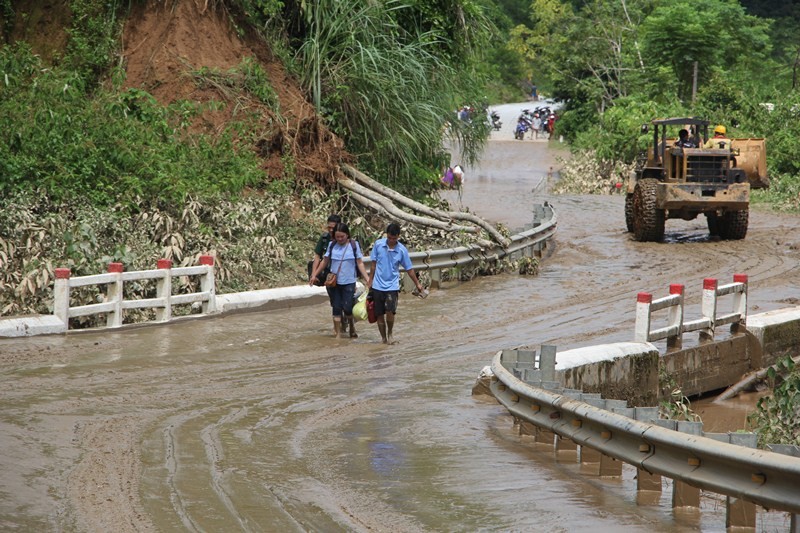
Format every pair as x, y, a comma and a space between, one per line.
322, 246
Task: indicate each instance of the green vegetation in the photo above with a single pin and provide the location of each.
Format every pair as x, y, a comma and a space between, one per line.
674, 405
777, 417
386, 77
618, 65
116, 146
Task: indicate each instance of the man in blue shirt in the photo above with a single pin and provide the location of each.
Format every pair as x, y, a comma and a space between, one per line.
388, 255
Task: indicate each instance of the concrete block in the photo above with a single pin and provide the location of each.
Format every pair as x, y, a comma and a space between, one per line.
709, 366
31, 325
776, 332
621, 370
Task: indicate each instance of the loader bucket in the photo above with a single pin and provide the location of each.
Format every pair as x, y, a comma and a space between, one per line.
752, 158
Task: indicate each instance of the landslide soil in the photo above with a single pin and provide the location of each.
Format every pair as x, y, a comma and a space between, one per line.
164, 43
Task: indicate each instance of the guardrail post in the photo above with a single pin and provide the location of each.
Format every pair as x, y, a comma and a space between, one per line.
436, 278
740, 304
208, 284
526, 428
61, 295
164, 290
545, 436
675, 318
114, 294
610, 467
566, 449
590, 460
547, 362
709, 308
740, 513
648, 486
641, 331
683, 494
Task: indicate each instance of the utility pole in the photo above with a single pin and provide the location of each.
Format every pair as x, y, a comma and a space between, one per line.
694, 82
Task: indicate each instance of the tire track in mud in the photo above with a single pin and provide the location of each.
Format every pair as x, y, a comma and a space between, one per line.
264, 421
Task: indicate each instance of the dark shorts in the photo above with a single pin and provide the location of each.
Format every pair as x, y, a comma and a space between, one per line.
385, 301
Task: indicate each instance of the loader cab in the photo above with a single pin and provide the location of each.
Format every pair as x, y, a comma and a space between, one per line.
671, 164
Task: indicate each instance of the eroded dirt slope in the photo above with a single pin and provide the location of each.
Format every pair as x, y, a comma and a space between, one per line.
164, 43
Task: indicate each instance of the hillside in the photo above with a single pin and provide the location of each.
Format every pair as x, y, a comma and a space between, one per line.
192, 56
164, 43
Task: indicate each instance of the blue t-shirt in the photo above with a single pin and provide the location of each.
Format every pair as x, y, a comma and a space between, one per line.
342, 254
387, 263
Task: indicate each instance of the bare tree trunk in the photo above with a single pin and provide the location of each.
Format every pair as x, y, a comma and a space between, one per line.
746, 381
384, 206
635, 42
794, 69
390, 195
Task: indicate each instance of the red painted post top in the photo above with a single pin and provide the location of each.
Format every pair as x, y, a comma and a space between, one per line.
207, 260
676, 288
644, 298
710, 284
62, 273
740, 278
164, 263
115, 267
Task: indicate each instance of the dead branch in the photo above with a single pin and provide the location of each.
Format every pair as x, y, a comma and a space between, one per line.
747, 380
385, 206
388, 193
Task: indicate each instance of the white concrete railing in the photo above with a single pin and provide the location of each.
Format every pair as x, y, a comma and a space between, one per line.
530, 243
115, 304
674, 303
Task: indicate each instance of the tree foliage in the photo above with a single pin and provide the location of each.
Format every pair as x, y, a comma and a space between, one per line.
677, 34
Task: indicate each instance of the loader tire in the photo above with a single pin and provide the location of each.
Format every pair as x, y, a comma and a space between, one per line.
733, 225
648, 219
629, 212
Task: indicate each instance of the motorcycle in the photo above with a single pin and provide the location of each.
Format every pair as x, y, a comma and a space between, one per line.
523, 126
496, 122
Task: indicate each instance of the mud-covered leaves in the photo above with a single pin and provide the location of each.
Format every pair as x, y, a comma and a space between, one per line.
777, 417
585, 173
37, 235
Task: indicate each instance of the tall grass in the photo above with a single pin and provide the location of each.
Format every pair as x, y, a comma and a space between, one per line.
382, 87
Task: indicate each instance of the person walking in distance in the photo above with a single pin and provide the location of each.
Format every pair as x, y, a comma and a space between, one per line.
536, 126
346, 261
388, 255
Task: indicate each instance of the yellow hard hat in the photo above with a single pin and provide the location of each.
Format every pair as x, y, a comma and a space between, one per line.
720, 129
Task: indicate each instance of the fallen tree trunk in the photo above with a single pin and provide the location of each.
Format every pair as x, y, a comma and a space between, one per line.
367, 182
746, 381
384, 205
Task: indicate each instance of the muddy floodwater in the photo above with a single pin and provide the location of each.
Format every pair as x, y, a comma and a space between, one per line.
263, 422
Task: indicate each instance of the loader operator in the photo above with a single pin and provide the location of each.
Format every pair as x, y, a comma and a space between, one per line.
719, 141
684, 141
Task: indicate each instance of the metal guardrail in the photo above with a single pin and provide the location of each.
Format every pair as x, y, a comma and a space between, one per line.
544, 227
761, 477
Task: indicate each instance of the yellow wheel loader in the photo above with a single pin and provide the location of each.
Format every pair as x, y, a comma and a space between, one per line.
684, 182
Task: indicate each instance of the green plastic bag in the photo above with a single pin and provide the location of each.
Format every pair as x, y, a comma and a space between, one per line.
360, 308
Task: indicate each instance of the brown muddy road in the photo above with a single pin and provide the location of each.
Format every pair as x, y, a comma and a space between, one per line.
262, 422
